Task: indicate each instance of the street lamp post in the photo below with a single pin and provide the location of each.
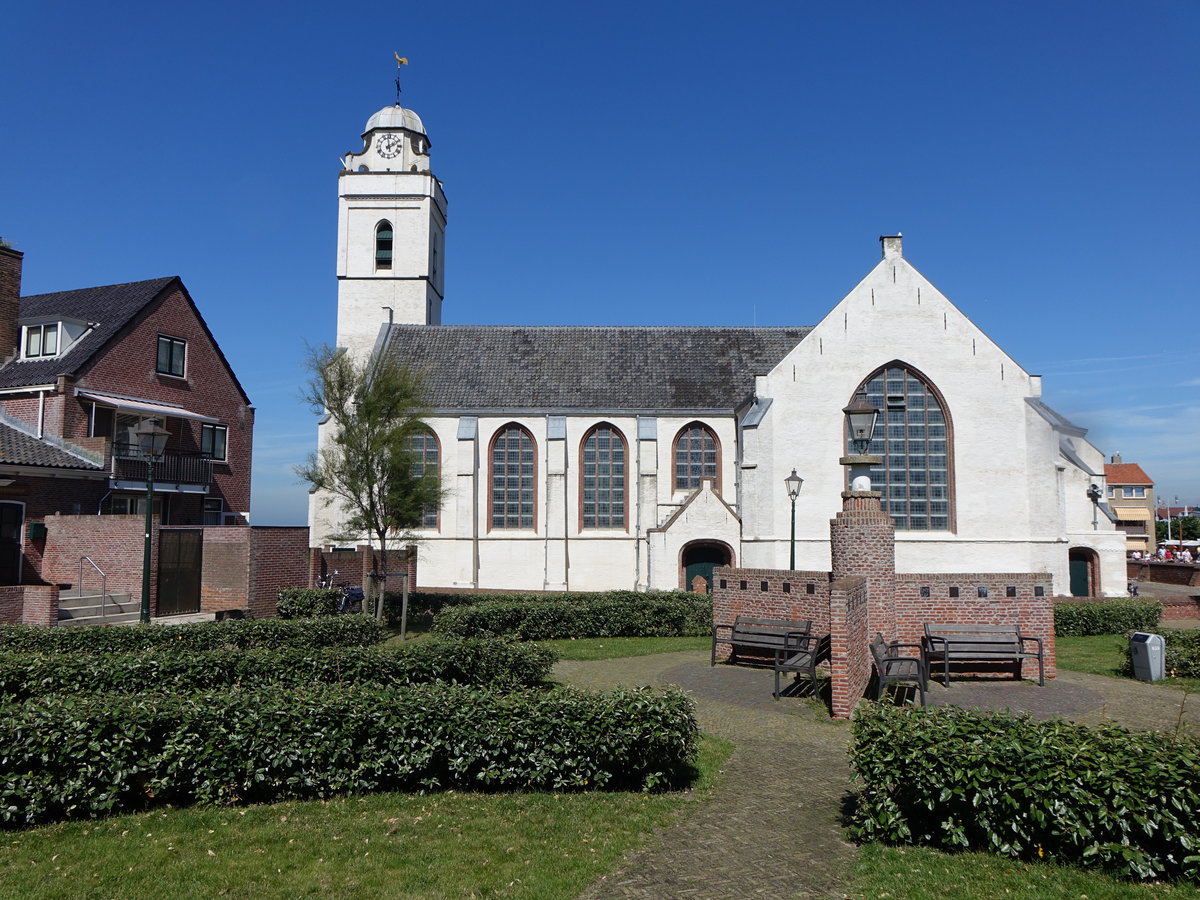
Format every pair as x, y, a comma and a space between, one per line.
152, 439
793, 484
861, 416
1094, 494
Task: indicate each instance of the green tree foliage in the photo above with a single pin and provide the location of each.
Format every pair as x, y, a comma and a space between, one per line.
365, 465
1189, 525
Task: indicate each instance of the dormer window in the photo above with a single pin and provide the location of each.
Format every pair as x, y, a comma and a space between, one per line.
41, 340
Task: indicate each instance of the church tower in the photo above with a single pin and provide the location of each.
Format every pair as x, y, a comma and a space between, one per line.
391, 231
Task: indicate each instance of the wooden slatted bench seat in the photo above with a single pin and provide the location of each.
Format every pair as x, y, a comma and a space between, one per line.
801, 655
761, 636
946, 644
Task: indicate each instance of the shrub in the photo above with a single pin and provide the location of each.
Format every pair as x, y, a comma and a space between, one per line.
964, 780
491, 661
423, 606
231, 634
93, 755
1181, 655
301, 603
638, 615
1106, 617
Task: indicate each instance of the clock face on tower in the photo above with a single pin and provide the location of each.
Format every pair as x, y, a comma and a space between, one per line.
389, 145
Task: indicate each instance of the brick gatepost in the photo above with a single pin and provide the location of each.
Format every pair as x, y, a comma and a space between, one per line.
862, 540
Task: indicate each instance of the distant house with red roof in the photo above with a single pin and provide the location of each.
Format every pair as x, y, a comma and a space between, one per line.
1131, 497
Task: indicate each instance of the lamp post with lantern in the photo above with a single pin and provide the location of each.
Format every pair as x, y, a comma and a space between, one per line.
152, 440
861, 416
793, 484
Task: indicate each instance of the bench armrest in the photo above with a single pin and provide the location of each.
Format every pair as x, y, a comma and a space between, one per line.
719, 626
1027, 637
896, 645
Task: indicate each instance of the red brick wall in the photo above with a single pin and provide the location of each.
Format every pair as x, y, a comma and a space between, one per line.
114, 543
1034, 614
863, 542
769, 594
224, 569
279, 558
355, 567
1165, 572
29, 605
849, 642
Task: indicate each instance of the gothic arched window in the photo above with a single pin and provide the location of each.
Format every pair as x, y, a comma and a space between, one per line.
383, 245
913, 437
513, 488
697, 455
423, 445
603, 478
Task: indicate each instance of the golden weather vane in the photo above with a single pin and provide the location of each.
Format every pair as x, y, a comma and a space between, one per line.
400, 61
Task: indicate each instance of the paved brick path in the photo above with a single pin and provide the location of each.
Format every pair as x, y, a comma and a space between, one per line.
772, 826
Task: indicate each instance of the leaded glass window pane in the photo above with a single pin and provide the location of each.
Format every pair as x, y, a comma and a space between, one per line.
910, 435
513, 474
423, 446
695, 457
604, 478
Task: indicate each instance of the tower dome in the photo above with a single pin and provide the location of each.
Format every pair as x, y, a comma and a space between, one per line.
395, 117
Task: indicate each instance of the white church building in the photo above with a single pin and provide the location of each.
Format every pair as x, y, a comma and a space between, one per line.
586, 458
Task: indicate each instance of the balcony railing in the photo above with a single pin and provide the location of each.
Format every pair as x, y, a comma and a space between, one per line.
175, 466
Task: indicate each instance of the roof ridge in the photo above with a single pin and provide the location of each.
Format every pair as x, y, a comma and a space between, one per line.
97, 287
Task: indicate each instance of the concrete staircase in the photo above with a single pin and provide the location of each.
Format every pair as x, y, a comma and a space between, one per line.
75, 608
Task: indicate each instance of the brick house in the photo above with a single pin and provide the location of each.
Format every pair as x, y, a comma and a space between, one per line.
1131, 496
81, 369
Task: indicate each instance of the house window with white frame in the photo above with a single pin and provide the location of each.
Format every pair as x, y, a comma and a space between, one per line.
172, 356
214, 440
41, 340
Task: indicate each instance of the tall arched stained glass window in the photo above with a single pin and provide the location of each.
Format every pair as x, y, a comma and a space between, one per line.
913, 437
383, 245
514, 479
603, 484
696, 457
423, 445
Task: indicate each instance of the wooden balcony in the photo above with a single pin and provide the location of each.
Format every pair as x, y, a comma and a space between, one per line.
177, 467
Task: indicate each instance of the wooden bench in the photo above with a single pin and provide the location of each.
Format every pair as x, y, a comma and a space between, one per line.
800, 655
893, 668
982, 644
762, 635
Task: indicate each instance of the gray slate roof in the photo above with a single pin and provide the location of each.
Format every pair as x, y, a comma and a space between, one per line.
112, 306
20, 449
500, 367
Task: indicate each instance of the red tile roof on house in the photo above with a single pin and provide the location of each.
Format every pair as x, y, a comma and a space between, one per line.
1125, 473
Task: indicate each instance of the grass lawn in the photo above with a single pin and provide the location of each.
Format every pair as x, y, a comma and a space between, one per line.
621, 647
1101, 654
916, 873
385, 845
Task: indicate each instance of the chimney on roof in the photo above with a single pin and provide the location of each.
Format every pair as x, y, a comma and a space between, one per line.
10, 299
891, 245
1116, 459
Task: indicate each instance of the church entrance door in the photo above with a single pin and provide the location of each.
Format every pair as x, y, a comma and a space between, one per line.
1083, 572
700, 558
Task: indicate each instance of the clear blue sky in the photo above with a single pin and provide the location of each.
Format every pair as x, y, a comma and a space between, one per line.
639, 163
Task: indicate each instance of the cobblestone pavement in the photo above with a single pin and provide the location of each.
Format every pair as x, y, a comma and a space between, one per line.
772, 826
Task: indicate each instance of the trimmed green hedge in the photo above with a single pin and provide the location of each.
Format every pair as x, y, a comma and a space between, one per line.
231, 634
425, 605
1181, 656
1106, 617
1126, 802
303, 603
88, 756
491, 661
636, 615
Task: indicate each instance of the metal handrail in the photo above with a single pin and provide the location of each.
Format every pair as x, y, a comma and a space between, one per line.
103, 583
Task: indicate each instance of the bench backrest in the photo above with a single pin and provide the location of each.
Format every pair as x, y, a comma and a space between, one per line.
973, 632
745, 623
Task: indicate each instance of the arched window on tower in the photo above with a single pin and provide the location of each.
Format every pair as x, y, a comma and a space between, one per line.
423, 445
513, 487
697, 456
914, 438
602, 482
383, 245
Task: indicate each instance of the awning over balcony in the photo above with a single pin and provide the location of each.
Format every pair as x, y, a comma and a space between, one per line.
143, 407
1133, 513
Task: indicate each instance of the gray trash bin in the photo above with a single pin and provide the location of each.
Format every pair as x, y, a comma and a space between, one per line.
1147, 651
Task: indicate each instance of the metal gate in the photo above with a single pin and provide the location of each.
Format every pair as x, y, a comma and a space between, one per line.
180, 552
